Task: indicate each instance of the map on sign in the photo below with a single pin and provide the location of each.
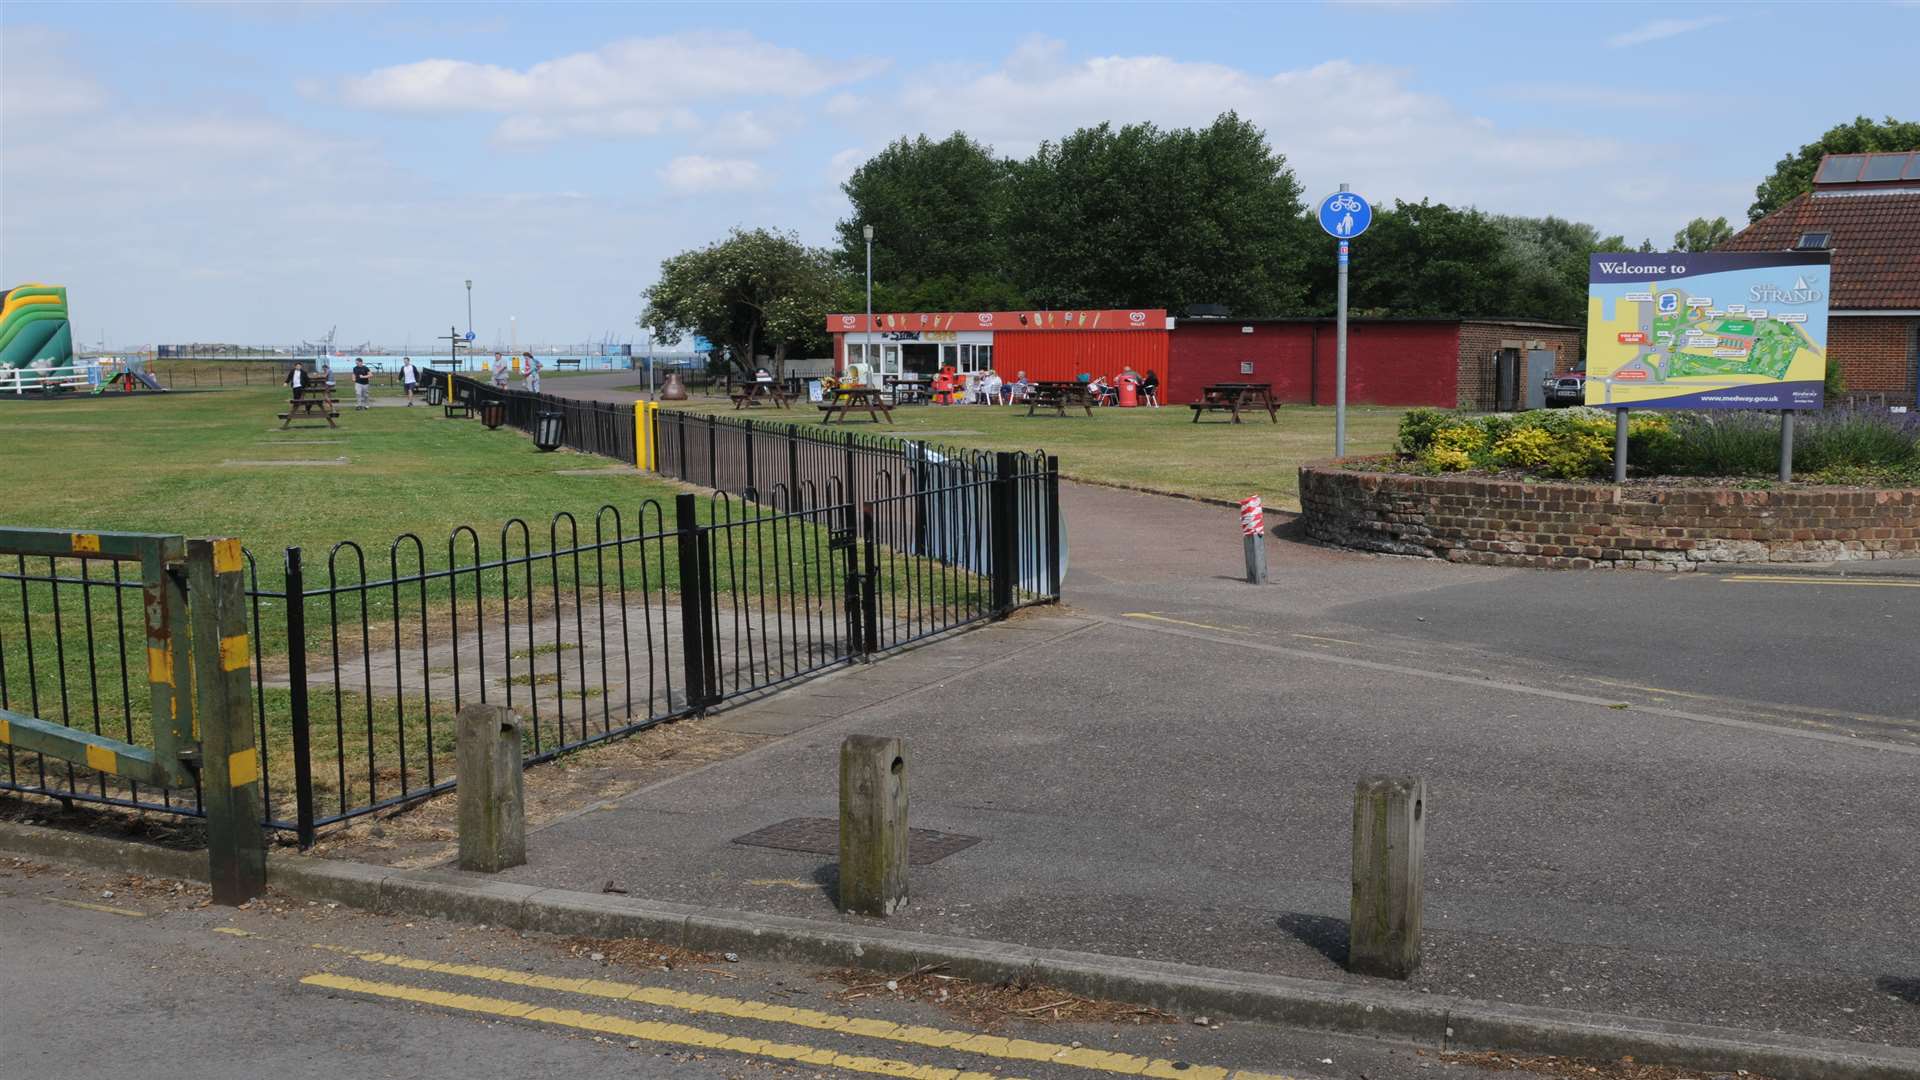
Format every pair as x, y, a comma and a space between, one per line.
1683, 330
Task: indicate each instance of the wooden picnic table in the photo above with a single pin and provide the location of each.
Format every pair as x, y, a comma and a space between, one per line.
751, 395
1058, 396
1230, 397
845, 399
318, 399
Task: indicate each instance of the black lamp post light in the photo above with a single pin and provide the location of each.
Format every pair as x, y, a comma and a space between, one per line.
549, 428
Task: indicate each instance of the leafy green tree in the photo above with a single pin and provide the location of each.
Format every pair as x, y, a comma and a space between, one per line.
1793, 175
1427, 259
938, 210
757, 292
1548, 256
1138, 216
1702, 235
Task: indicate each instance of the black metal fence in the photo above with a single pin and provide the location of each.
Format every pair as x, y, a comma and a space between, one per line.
814, 551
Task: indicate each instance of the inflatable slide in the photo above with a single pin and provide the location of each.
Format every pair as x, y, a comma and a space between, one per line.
33, 326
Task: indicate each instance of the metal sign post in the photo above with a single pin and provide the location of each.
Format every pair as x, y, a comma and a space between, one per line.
1343, 215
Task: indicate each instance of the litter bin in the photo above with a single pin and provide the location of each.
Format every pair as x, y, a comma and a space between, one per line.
435, 394
549, 430
1129, 396
493, 414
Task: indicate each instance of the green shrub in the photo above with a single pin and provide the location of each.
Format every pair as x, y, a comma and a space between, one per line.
1836, 382
1417, 428
1846, 439
1736, 443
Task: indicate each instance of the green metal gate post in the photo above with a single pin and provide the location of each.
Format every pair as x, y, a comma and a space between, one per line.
230, 762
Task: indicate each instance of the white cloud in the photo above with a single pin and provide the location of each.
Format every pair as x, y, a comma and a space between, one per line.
631, 87
1659, 29
1335, 121
694, 174
843, 164
38, 87
740, 132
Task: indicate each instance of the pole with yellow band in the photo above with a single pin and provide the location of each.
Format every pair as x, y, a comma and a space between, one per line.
223, 689
646, 421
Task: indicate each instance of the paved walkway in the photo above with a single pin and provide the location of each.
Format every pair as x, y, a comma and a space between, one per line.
1164, 768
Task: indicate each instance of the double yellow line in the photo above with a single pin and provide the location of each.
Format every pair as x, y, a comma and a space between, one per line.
1789, 579
991, 1046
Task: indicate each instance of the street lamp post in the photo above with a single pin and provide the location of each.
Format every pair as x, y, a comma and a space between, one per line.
469, 305
867, 231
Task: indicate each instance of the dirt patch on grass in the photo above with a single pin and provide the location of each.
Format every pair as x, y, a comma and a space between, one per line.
423, 834
989, 1006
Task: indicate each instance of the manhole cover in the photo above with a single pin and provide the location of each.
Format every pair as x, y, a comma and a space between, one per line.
821, 836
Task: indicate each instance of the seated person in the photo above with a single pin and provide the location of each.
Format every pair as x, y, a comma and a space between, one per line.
989, 388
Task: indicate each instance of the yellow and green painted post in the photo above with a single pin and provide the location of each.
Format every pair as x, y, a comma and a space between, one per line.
229, 759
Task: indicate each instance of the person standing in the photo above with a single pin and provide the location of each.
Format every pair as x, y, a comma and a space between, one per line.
409, 378
499, 373
532, 367
362, 383
297, 378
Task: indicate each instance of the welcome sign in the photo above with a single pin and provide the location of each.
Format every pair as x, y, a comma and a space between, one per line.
1705, 330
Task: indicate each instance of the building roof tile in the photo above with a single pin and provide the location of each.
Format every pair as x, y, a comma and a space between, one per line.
1875, 237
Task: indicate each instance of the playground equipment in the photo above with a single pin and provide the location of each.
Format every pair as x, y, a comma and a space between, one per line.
34, 327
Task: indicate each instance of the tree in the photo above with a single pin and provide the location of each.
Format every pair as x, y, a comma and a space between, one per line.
937, 211
1138, 217
755, 293
1793, 176
1548, 257
1702, 235
1428, 259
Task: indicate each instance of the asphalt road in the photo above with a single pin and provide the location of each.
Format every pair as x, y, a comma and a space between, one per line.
105, 975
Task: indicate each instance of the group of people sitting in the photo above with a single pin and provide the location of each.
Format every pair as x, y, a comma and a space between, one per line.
951, 387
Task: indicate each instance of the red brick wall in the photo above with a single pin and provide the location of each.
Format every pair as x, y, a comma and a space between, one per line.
1875, 353
1479, 341
1601, 526
1387, 363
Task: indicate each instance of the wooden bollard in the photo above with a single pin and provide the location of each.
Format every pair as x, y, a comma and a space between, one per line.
1389, 829
873, 825
493, 819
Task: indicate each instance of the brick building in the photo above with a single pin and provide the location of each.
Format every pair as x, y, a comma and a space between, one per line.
1447, 363
1865, 208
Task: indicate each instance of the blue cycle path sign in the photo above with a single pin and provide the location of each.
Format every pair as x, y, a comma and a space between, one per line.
1345, 215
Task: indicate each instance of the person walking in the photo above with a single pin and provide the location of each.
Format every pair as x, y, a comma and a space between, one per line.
362, 383
499, 373
532, 368
409, 378
297, 378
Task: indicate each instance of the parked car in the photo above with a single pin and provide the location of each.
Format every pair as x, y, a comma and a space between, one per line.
1565, 390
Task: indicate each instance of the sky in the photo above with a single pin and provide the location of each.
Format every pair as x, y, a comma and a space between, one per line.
261, 173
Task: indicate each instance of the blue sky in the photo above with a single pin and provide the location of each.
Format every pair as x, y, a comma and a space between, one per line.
263, 172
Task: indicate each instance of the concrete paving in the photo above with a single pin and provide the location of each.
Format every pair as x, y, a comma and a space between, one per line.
108, 973
1164, 767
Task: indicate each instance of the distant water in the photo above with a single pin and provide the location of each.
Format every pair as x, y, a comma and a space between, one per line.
471, 365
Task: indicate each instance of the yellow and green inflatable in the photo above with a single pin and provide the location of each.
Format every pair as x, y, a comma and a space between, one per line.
33, 326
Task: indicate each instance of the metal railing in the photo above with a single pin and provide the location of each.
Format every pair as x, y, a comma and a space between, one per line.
815, 551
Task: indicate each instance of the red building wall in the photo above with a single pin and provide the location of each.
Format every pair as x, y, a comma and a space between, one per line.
1062, 355
1876, 353
1387, 363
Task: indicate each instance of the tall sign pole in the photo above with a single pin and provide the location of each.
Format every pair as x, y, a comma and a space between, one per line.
1344, 216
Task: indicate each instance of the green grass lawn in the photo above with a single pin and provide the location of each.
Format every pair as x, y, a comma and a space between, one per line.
1154, 449
190, 463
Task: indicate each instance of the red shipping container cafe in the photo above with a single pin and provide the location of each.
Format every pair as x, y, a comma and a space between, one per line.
1046, 345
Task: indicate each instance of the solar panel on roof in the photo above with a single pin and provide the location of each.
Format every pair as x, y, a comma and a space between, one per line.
1913, 167
1884, 166
1840, 170
1813, 241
